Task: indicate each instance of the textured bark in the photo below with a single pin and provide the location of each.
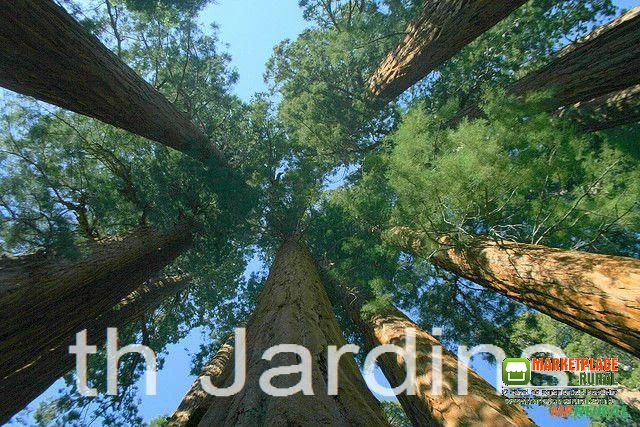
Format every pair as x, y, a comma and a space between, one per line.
598, 294
21, 387
293, 308
605, 61
480, 407
608, 111
196, 402
46, 54
43, 300
443, 29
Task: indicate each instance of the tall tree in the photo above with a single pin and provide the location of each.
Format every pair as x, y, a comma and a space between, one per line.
479, 406
526, 195
45, 299
611, 62
197, 401
293, 309
70, 189
594, 293
21, 387
605, 61
50, 56
347, 252
441, 30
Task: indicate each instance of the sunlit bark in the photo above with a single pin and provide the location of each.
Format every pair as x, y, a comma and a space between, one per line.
443, 28
597, 294
480, 407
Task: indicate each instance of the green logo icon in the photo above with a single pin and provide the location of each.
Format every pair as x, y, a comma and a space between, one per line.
516, 371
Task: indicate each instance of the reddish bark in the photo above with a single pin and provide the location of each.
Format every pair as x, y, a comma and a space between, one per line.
46, 54
480, 407
594, 293
599, 68
21, 387
443, 29
44, 300
293, 308
197, 401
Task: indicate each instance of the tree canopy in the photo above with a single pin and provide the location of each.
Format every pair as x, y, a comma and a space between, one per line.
316, 154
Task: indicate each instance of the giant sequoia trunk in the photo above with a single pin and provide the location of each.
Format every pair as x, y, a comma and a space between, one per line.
21, 387
480, 407
443, 28
46, 54
43, 300
606, 60
607, 111
598, 294
293, 308
592, 69
197, 401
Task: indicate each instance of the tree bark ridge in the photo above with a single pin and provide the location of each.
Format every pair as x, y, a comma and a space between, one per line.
601, 67
21, 387
293, 308
480, 407
442, 29
197, 401
46, 54
597, 294
43, 299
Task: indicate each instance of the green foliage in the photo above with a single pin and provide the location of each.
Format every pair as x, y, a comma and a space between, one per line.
521, 175
322, 74
160, 421
395, 414
150, 6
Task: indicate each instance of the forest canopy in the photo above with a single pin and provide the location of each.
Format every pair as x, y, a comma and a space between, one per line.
391, 201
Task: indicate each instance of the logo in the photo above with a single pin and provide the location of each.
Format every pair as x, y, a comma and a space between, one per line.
516, 371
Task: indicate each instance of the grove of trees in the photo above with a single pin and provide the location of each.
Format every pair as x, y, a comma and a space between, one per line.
469, 165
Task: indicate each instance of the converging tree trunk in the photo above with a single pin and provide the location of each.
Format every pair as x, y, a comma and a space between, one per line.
293, 308
443, 29
197, 401
46, 54
21, 387
604, 61
596, 67
43, 300
597, 294
480, 407
607, 111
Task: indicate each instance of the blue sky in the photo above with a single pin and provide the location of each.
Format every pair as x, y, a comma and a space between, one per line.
251, 28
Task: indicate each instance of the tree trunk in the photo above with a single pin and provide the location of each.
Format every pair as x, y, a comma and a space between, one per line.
443, 29
21, 387
608, 111
598, 294
293, 308
604, 62
44, 300
197, 401
480, 407
46, 54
